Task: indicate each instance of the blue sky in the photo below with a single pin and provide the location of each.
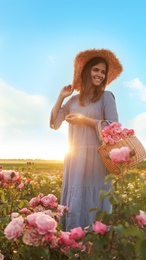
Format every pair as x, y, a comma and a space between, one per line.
38, 42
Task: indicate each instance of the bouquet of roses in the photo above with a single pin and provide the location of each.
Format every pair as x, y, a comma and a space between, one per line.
114, 133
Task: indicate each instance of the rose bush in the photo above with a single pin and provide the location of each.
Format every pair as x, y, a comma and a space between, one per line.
14, 198
124, 231
30, 228
38, 226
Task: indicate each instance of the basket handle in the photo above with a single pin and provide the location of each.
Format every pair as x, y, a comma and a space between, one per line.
100, 130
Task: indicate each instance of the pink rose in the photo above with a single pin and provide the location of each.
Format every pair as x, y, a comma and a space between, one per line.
116, 138
131, 132
14, 215
77, 233
25, 211
48, 212
141, 218
106, 139
1, 256
61, 209
120, 155
49, 200
32, 238
7, 175
10, 176
113, 133
41, 195
15, 177
34, 202
111, 141
125, 132
66, 239
48, 237
32, 219
14, 228
42, 222
99, 228
20, 186
115, 124
117, 128
45, 224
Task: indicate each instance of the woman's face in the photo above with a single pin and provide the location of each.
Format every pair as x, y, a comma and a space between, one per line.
98, 73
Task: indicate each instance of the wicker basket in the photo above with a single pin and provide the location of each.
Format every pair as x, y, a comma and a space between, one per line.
129, 141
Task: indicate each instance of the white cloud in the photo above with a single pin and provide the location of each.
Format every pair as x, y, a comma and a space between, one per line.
139, 125
21, 113
138, 122
24, 126
139, 88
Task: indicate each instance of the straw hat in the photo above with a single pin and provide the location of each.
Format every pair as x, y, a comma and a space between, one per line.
115, 67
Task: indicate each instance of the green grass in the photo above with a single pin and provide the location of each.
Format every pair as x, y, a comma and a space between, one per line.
36, 166
44, 166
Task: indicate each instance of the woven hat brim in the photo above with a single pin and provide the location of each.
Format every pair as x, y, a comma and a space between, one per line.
115, 67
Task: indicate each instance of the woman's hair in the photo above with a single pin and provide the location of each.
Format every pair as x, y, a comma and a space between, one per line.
87, 83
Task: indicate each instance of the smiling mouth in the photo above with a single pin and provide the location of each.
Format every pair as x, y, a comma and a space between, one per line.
97, 79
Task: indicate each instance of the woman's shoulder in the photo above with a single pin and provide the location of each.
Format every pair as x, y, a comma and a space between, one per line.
72, 99
107, 94
75, 97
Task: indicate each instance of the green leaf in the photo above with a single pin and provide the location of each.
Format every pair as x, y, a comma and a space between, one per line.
142, 249
141, 178
109, 177
119, 229
104, 194
134, 232
93, 209
134, 209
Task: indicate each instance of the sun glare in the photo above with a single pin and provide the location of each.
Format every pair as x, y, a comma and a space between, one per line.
49, 149
56, 152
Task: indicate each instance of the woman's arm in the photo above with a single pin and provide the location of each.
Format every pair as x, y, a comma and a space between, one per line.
56, 108
110, 113
65, 92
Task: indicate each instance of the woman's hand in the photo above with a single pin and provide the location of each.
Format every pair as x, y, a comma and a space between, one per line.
74, 118
66, 91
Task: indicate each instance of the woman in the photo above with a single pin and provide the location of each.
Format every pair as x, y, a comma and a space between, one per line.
84, 172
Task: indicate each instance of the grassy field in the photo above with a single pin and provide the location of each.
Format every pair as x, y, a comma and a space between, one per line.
44, 166
35, 166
